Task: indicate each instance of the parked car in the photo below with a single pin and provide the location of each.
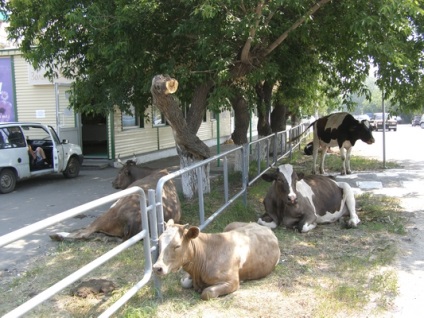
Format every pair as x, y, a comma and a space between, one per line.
376, 122
416, 120
422, 121
362, 117
16, 162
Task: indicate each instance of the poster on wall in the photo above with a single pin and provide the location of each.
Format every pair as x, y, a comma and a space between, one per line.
7, 109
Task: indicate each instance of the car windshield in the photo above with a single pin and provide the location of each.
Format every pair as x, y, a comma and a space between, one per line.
379, 116
55, 136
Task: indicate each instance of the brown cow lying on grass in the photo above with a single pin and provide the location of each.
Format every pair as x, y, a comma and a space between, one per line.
123, 218
218, 262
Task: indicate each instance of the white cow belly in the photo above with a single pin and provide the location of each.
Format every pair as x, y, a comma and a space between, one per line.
332, 143
330, 217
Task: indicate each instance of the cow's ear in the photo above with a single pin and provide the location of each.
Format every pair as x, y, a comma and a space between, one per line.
366, 123
192, 233
170, 222
270, 176
300, 175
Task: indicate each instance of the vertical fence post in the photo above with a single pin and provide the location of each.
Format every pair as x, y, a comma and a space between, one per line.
268, 148
245, 170
199, 172
259, 157
299, 131
154, 238
275, 149
290, 144
226, 189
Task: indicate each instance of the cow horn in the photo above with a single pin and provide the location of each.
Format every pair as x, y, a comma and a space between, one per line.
119, 160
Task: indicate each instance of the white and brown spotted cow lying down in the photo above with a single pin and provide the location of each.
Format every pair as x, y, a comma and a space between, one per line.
302, 202
218, 262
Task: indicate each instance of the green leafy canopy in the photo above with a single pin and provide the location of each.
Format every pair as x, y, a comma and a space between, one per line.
312, 49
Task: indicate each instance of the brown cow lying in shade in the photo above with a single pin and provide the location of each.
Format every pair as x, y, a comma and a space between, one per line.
123, 218
218, 262
129, 173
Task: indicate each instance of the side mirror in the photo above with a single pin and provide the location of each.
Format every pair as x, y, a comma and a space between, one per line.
65, 141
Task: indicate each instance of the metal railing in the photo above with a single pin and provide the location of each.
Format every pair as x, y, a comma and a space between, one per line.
46, 294
282, 142
152, 215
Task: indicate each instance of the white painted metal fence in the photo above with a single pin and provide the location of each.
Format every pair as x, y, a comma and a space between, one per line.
281, 146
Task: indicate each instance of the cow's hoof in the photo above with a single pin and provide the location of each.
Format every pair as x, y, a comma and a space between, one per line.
209, 293
59, 236
186, 281
307, 227
271, 225
352, 223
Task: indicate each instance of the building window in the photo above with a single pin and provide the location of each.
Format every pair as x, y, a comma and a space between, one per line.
132, 120
158, 119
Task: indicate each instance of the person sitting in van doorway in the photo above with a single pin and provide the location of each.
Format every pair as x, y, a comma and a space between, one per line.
38, 157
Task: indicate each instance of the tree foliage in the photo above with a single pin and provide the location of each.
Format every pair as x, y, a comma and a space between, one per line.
314, 50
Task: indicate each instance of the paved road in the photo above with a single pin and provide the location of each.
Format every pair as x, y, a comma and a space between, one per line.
39, 198
406, 183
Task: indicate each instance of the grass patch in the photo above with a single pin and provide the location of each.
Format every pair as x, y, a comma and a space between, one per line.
330, 271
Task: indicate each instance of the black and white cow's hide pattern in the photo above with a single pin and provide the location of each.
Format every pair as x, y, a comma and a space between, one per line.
302, 202
342, 130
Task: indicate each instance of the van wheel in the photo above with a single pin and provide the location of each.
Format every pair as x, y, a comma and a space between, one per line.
7, 181
73, 168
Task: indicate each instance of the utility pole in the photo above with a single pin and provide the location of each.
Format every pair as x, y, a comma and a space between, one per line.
384, 128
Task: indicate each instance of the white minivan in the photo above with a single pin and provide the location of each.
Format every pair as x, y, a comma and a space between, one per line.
16, 161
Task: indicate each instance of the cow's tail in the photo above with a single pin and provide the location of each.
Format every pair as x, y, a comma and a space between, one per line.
298, 137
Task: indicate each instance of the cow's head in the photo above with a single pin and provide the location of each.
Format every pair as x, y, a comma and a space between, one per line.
284, 179
365, 133
174, 247
124, 177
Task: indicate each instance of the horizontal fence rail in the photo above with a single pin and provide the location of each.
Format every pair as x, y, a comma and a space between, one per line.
280, 145
51, 291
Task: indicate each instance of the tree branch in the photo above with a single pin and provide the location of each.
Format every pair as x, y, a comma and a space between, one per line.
163, 86
298, 23
244, 57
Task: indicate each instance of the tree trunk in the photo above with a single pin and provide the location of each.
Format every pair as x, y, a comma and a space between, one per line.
189, 180
189, 147
242, 121
198, 106
279, 117
279, 121
264, 93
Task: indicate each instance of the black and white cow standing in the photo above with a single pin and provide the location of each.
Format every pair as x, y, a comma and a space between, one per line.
342, 130
302, 202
